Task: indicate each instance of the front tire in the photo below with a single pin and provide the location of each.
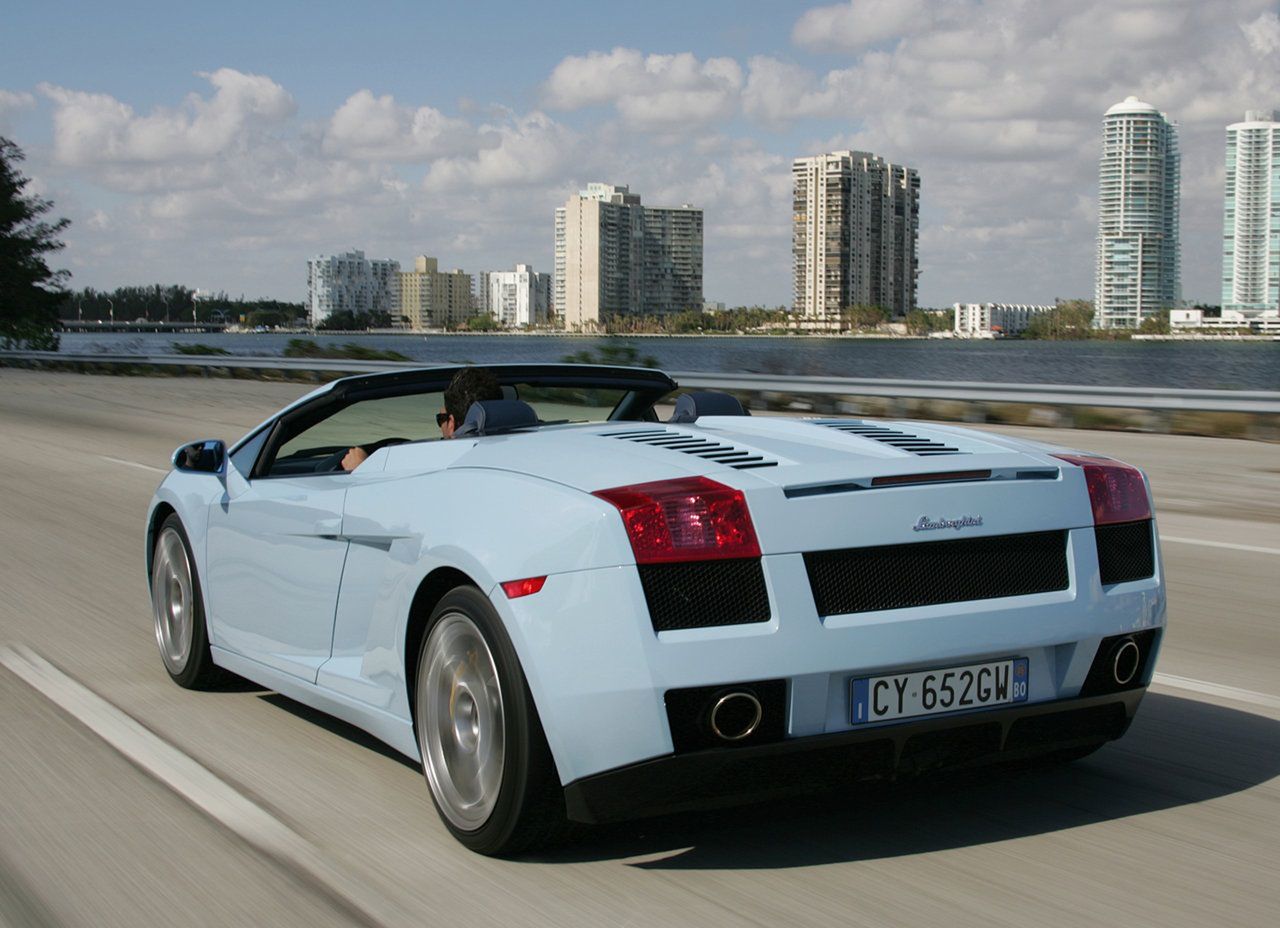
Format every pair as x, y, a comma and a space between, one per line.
178, 609
484, 754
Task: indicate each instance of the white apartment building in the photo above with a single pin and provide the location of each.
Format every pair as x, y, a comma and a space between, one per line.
1228, 321
1138, 190
351, 282
557, 270
616, 256
516, 298
993, 320
1251, 223
434, 299
855, 229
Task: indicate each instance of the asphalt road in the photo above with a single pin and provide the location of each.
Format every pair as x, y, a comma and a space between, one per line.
1174, 825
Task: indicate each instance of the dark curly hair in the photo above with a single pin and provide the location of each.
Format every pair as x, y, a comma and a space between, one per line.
468, 385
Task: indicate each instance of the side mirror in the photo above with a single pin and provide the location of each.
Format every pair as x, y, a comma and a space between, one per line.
201, 457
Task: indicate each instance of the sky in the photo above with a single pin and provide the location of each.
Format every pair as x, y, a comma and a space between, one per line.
221, 145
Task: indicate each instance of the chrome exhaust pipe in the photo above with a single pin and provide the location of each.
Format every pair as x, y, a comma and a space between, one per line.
736, 715
1124, 662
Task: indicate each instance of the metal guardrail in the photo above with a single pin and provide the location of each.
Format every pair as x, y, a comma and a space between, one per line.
1265, 402
1257, 402
242, 362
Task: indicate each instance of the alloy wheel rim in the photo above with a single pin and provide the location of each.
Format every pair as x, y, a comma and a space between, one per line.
172, 601
461, 721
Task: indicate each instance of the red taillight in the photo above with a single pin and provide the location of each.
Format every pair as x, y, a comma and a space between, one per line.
517, 588
1117, 491
689, 519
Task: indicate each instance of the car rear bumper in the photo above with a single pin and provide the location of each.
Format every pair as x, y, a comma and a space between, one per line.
731, 776
602, 677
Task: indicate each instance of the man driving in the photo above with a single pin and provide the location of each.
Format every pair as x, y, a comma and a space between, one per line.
467, 386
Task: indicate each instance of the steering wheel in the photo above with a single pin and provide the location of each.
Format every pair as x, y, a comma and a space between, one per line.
333, 462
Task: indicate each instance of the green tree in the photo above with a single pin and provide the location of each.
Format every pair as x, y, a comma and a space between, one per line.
1069, 320
347, 321
269, 317
1155, 324
917, 322
30, 292
609, 353
864, 317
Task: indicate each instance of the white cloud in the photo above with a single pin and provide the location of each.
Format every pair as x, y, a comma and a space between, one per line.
93, 128
11, 102
1001, 79
379, 129
529, 149
653, 91
778, 91
860, 23
99, 221
1264, 33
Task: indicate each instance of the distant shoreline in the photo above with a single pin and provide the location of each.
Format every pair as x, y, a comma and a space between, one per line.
860, 336
545, 334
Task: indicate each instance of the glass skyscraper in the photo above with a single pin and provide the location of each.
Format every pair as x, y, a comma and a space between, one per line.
1138, 183
1251, 222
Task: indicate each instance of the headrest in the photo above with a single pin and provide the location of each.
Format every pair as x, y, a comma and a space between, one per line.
486, 417
689, 406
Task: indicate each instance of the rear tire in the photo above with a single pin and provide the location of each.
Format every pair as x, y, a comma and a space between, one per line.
178, 609
484, 754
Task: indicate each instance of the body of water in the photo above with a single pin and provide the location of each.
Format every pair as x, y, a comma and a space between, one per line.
1199, 365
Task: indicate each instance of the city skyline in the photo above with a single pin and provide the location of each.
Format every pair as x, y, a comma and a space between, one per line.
187, 147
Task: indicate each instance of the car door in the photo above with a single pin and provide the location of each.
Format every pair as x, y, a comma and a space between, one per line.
276, 549
275, 560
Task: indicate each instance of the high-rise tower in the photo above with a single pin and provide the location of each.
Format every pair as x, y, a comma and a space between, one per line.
615, 256
854, 232
351, 283
1138, 182
1251, 223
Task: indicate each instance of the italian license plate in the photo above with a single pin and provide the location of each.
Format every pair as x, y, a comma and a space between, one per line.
930, 692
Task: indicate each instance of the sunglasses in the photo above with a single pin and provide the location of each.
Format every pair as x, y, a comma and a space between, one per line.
441, 419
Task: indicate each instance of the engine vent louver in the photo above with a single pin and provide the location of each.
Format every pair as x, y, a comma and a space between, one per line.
904, 441
688, 443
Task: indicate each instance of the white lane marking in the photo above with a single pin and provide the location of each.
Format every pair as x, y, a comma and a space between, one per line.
1257, 549
202, 788
1216, 689
158, 470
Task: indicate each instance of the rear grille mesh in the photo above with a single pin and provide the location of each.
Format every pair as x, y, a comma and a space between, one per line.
1125, 552
704, 594
933, 572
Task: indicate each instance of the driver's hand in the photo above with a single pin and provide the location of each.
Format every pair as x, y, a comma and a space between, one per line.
354, 458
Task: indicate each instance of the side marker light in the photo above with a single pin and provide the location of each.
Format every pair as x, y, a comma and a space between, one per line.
526, 587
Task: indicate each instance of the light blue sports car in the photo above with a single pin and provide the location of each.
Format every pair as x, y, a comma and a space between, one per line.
612, 598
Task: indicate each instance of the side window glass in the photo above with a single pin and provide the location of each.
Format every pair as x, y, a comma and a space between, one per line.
320, 448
